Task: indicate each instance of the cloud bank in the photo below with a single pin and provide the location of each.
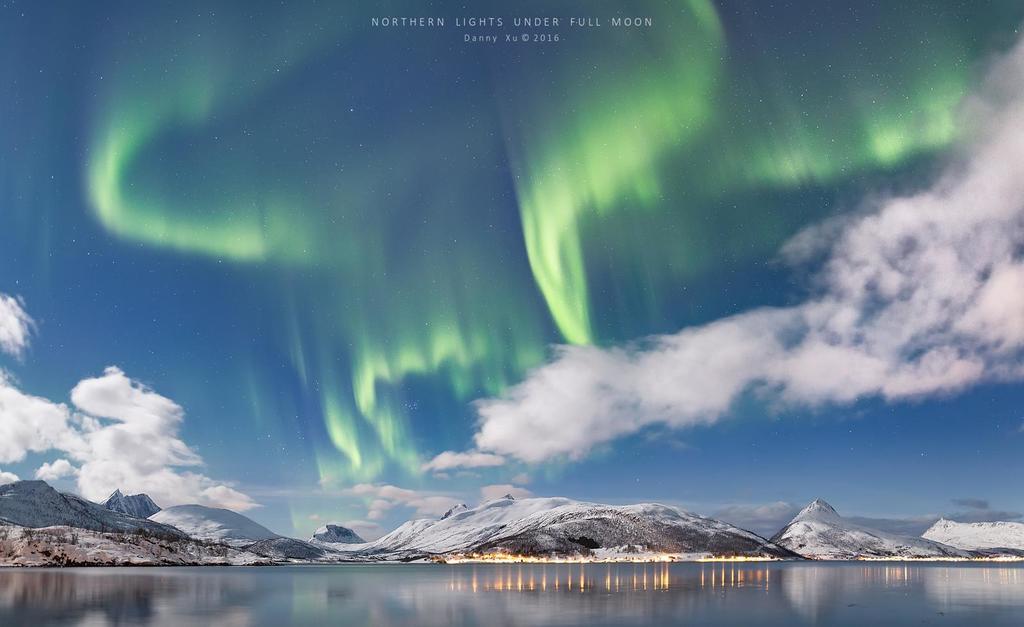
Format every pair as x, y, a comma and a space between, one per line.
120, 434
450, 460
499, 490
382, 498
58, 469
920, 295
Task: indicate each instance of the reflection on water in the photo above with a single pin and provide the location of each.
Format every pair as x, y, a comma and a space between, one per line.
580, 577
528, 594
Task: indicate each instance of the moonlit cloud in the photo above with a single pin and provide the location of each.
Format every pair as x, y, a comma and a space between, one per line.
15, 326
449, 460
382, 498
367, 529
133, 444
30, 424
762, 518
121, 434
522, 478
496, 491
919, 295
972, 503
57, 469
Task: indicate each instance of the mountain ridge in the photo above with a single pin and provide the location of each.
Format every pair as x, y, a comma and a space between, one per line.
561, 526
818, 531
336, 534
134, 505
214, 524
978, 535
36, 504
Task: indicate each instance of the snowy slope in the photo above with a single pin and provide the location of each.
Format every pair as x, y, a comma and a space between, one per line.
134, 505
819, 532
36, 504
288, 549
563, 526
214, 525
70, 546
456, 509
980, 535
332, 534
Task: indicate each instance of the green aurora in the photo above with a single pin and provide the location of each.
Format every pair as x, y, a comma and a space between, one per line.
212, 140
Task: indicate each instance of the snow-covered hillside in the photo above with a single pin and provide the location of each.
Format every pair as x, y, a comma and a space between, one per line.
134, 505
819, 532
289, 549
214, 524
41, 526
541, 526
336, 534
70, 546
455, 509
36, 504
980, 535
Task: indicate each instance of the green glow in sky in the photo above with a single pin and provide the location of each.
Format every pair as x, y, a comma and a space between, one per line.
419, 237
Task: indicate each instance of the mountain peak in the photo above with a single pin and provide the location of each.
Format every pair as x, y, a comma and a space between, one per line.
134, 505
38, 504
818, 506
819, 532
461, 507
336, 534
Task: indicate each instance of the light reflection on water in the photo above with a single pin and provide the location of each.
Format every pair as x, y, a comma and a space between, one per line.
521, 594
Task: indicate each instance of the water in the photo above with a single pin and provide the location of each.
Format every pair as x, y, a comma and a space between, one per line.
854, 593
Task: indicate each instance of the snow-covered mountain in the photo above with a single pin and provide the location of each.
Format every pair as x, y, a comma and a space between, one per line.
35, 504
819, 532
134, 505
71, 546
282, 549
214, 524
336, 534
455, 509
542, 526
977, 536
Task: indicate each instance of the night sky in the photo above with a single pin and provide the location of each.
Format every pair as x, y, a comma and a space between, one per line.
342, 249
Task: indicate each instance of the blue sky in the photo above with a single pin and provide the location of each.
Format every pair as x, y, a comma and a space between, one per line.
320, 254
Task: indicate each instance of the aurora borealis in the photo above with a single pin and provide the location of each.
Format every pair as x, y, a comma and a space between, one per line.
326, 241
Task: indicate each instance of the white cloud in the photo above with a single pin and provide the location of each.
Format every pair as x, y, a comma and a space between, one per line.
8, 477
56, 469
449, 460
214, 494
921, 295
15, 326
32, 424
763, 518
135, 446
367, 530
522, 478
383, 498
496, 491
124, 436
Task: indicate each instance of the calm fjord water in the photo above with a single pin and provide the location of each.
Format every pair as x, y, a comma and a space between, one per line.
858, 593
